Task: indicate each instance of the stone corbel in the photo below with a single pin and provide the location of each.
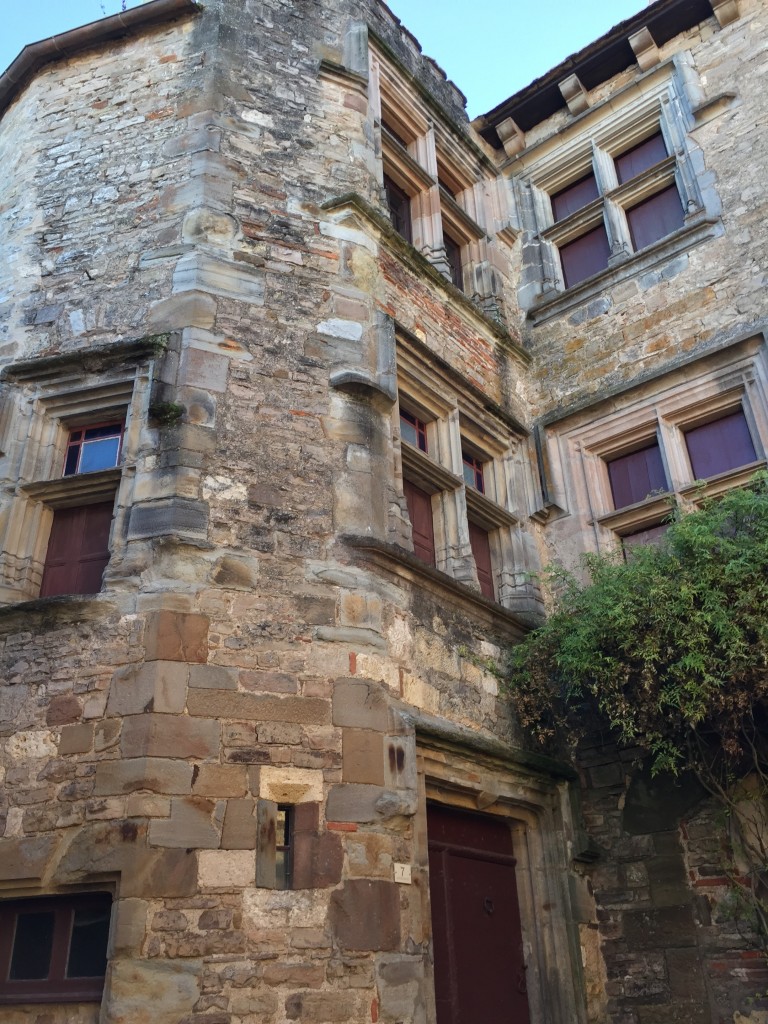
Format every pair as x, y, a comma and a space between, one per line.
725, 11
574, 94
512, 137
645, 49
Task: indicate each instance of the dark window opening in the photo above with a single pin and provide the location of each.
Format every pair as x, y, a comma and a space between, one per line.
574, 197
638, 159
473, 472
635, 476
419, 505
54, 949
413, 430
481, 551
399, 203
92, 448
719, 446
386, 125
585, 256
284, 847
78, 550
655, 218
648, 537
453, 255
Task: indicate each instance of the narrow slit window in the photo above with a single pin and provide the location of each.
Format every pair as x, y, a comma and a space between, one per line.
284, 847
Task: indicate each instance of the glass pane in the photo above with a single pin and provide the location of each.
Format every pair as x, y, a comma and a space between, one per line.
574, 197
655, 218
585, 256
88, 947
73, 454
635, 476
640, 158
717, 447
99, 454
32, 945
413, 430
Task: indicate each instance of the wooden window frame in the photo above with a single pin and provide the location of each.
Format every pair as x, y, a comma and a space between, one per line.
75, 448
56, 987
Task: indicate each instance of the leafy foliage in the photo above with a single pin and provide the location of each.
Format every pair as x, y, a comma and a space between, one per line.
670, 648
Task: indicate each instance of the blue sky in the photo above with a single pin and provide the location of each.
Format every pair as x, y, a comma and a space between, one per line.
516, 39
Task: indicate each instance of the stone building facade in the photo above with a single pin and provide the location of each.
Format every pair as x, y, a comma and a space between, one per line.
304, 377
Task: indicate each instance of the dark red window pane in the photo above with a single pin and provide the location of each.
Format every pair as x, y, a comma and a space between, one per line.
719, 446
422, 524
633, 477
473, 472
585, 256
413, 430
573, 198
32, 945
655, 218
453, 255
640, 158
481, 550
78, 550
399, 203
644, 537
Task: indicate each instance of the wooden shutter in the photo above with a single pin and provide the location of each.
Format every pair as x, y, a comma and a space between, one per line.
481, 549
573, 198
585, 256
78, 550
640, 158
422, 524
633, 477
719, 446
655, 218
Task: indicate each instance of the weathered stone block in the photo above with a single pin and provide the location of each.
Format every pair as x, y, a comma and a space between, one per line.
175, 636
172, 517
360, 705
26, 858
353, 802
129, 927
230, 869
194, 824
220, 780
267, 708
175, 736
365, 915
160, 775
63, 709
672, 927
363, 756
213, 677
159, 686
239, 832
151, 991
76, 739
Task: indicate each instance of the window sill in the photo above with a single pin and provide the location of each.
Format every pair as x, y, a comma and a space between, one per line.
714, 486
79, 489
407, 566
486, 512
549, 305
640, 516
427, 474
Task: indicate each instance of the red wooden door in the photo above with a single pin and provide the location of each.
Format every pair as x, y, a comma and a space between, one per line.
481, 550
422, 524
477, 937
78, 550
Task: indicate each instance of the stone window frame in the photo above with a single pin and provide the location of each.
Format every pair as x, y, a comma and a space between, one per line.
660, 410
661, 100
452, 773
451, 189
456, 420
47, 404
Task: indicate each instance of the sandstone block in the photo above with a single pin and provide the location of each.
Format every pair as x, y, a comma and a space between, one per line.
353, 802
194, 824
288, 785
76, 739
363, 756
159, 686
267, 708
220, 780
176, 636
160, 775
159, 874
175, 736
151, 991
63, 709
323, 1007
272, 682
26, 858
129, 927
365, 915
226, 869
204, 369
213, 677
239, 832
294, 975
359, 705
